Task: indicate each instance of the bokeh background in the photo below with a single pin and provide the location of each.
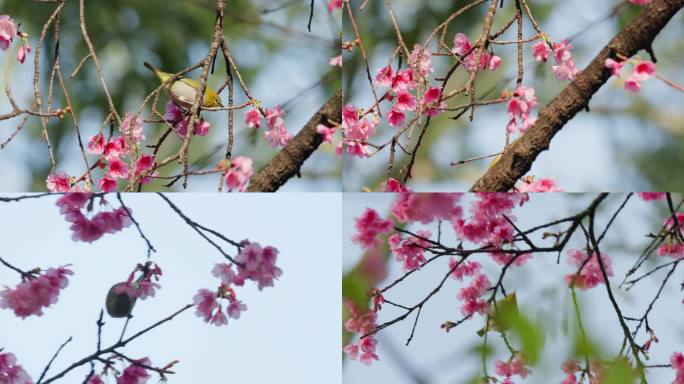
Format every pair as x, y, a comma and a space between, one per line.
628, 142
280, 61
289, 333
437, 357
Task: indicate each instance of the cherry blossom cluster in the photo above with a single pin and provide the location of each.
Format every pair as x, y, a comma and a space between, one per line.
673, 246
276, 133
643, 70
8, 31
410, 88
35, 293
179, 120
11, 372
135, 373
519, 109
252, 263
589, 274
119, 156
677, 363
361, 323
530, 184
356, 129
562, 54
464, 48
472, 295
571, 368
144, 286
238, 171
515, 366
88, 227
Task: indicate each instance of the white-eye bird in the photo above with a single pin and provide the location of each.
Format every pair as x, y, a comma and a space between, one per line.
183, 91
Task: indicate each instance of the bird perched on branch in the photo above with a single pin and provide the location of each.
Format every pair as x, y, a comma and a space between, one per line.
119, 304
183, 91
502, 314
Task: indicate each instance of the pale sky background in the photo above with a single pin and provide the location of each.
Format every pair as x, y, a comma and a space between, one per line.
285, 76
289, 334
441, 358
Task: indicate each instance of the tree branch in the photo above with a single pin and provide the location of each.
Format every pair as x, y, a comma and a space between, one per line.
519, 156
287, 162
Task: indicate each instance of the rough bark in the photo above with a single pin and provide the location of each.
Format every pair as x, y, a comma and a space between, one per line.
519, 156
287, 162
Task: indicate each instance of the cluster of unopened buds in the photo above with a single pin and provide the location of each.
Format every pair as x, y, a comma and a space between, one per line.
252, 263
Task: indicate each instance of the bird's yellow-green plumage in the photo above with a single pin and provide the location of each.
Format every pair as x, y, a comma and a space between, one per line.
501, 314
183, 91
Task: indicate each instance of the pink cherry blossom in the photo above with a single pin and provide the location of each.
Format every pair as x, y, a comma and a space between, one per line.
396, 117
206, 303
118, 169
11, 372
32, 295
253, 118
462, 44
131, 128
487, 224
259, 264
107, 184
144, 163
8, 30
420, 59
539, 185
276, 134
644, 70
393, 185
494, 63
326, 132
510, 259
652, 196
239, 173
361, 323
411, 250
426, 207
96, 144
404, 80
173, 114
135, 374
614, 66
565, 71
335, 61
334, 4
368, 226
235, 308
519, 108
89, 230
95, 379
466, 268
114, 148
590, 275
384, 76
405, 102
58, 182
515, 366
540, 51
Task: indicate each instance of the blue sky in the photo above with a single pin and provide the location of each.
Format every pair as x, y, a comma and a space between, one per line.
289, 333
